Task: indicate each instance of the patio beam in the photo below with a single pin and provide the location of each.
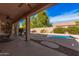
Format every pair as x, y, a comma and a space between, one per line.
28, 4
39, 8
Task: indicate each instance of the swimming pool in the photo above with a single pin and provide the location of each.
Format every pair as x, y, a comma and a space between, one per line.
61, 37
65, 40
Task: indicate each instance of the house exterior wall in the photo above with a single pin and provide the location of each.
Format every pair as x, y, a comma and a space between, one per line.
5, 26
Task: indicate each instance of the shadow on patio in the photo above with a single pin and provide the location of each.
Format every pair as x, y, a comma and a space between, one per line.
19, 47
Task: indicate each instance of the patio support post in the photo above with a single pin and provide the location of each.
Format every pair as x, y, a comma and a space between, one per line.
13, 27
17, 28
27, 28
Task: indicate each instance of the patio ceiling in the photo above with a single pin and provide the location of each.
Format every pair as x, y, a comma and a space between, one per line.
15, 10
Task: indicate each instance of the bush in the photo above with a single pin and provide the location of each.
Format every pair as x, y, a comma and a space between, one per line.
59, 30
52, 31
43, 31
33, 30
73, 30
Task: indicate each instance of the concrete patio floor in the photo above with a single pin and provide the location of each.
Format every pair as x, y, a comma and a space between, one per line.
19, 47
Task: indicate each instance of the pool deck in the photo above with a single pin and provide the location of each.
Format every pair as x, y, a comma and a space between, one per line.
62, 42
19, 47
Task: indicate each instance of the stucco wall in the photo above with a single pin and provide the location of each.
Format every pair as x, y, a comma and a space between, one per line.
48, 29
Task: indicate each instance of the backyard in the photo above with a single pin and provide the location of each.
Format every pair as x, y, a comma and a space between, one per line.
55, 32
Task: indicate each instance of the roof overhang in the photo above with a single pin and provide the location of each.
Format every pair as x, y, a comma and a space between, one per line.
16, 10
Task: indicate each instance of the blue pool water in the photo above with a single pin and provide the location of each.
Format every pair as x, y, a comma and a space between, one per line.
61, 37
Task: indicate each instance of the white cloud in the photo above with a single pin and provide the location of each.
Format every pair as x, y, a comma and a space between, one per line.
71, 12
73, 15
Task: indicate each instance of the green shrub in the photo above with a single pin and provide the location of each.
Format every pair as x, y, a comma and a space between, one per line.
73, 30
59, 30
43, 31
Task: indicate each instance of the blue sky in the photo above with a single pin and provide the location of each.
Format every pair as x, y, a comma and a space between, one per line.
63, 12
21, 21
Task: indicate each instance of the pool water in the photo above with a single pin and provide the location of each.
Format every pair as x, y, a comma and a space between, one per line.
68, 41
61, 37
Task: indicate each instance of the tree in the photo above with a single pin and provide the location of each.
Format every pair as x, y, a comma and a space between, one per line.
24, 24
40, 20
33, 22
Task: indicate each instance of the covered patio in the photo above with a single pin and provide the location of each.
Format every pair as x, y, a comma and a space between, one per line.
15, 45
11, 13
12, 44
